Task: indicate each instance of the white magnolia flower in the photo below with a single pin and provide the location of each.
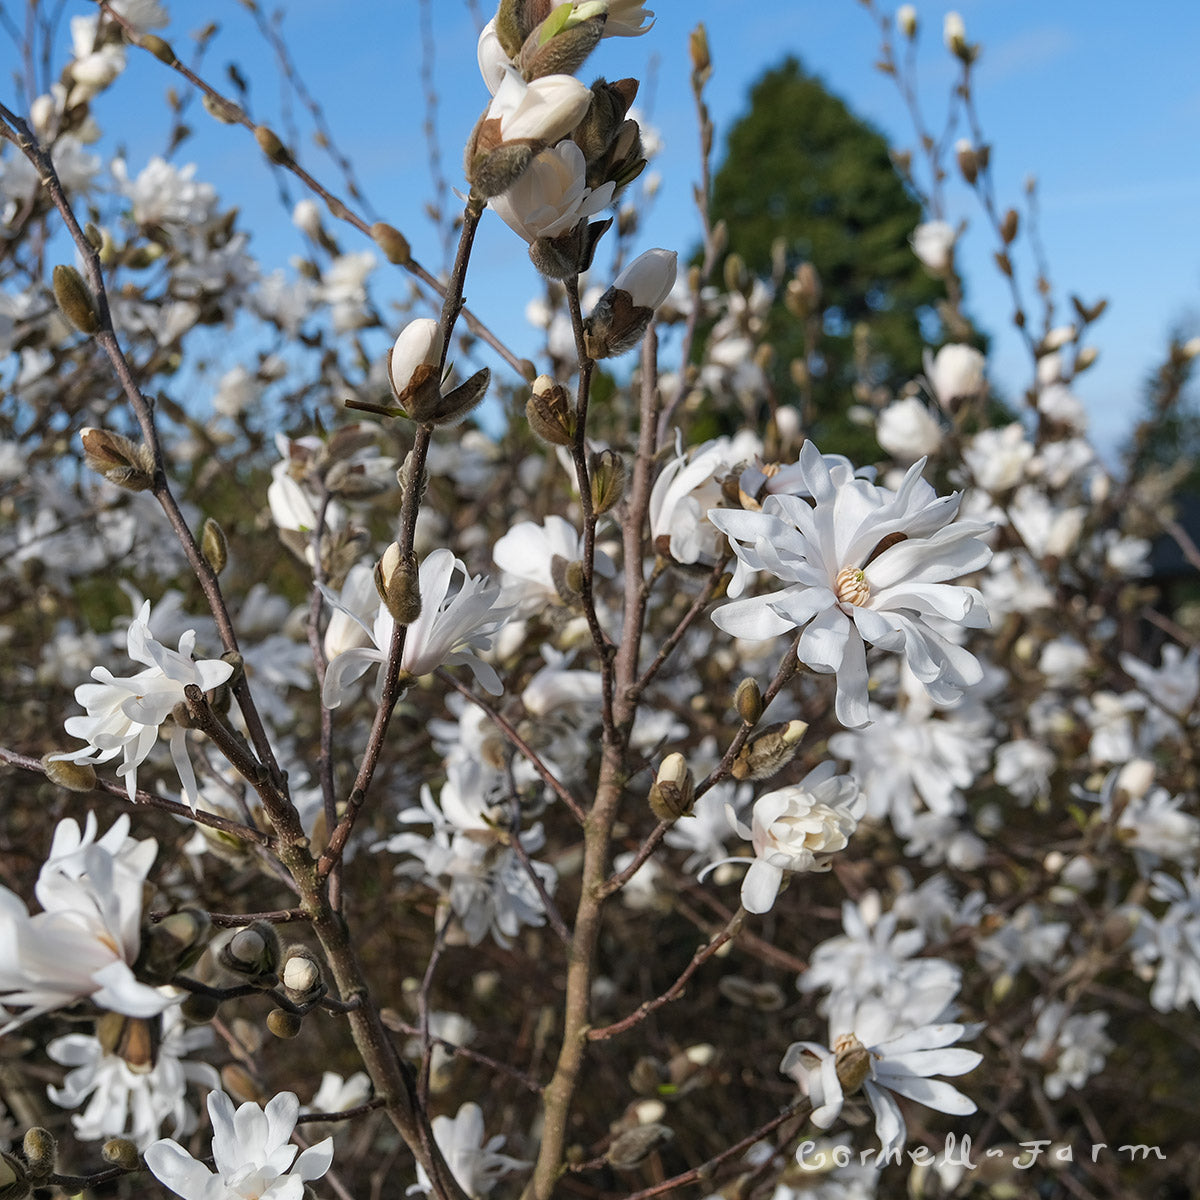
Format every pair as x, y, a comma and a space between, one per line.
907, 430
649, 278
493, 62
123, 714
476, 1164
1075, 1044
882, 1050
862, 564
132, 1100
1024, 767
955, 373
530, 555
796, 828
1174, 685
551, 196
933, 243
88, 934
997, 458
627, 18
545, 110
449, 631
252, 1153
1172, 942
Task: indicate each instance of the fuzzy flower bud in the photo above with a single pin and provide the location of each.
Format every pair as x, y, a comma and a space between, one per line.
301, 974
121, 1152
396, 581
75, 299
608, 481
75, 777
748, 701
906, 20
770, 752
252, 951
672, 791
123, 462
622, 314
40, 1148
549, 412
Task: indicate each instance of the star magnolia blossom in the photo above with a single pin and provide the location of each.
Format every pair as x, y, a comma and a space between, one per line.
796, 828
475, 1163
89, 930
123, 714
447, 633
252, 1154
862, 564
877, 1050
551, 197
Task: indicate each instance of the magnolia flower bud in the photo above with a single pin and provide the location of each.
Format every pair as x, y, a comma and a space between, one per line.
748, 701
252, 951
906, 20
40, 1148
1085, 358
954, 33
549, 412
301, 974
123, 462
284, 1024
770, 752
270, 144
158, 47
199, 1009
75, 777
673, 789
414, 364
121, 1152
622, 314
172, 945
968, 160
213, 545
75, 299
649, 278
608, 481
306, 216
392, 242
396, 581
634, 1146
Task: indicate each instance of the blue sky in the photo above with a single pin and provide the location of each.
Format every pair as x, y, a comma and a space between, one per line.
1098, 101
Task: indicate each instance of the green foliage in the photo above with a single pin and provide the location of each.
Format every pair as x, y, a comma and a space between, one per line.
803, 172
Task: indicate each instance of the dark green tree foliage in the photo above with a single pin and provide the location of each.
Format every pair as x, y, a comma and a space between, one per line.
800, 166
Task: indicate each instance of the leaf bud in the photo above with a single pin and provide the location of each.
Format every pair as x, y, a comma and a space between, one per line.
608, 481
121, 1152
397, 581
74, 776
75, 299
14, 1181
770, 752
158, 47
634, 1146
673, 789
301, 974
284, 1024
549, 412
213, 545
392, 242
252, 951
270, 144
40, 1148
121, 461
455, 404
1009, 226
698, 51
748, 701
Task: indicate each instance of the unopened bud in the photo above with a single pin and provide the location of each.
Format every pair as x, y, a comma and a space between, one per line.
158, 47
40, 1148
906, 20
968, 160
1085, 358
608, 481
121, 461
75, 299
647, 1076
284, 1024
748, 701
270, 144
698, 51
172, 945
634, 1146
74, 776
673, 789
397, 580
252, 951
121, 1152
223, 110
770, 752
239, 1083
199, 1009
1191, 348
549, 412
213, 546
301, 975
1009, 226
392, 242
567, 577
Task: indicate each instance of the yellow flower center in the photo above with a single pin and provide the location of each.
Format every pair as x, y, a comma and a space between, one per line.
851, 586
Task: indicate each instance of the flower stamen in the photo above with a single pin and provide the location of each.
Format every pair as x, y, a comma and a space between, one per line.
851, 586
